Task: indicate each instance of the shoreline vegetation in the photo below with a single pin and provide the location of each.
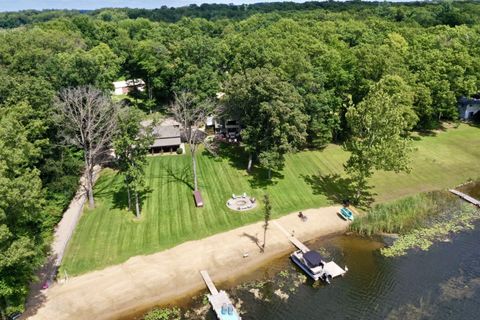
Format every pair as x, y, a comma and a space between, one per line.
109, 235
419, 220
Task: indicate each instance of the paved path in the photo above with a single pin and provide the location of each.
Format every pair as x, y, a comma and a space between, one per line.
62, 234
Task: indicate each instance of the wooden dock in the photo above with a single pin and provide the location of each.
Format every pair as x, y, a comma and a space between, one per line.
297, 243
466, 197
218, 299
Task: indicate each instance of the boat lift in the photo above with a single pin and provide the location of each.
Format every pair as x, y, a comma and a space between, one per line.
220, 301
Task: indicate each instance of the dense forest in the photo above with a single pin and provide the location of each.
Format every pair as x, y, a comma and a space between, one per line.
315, 58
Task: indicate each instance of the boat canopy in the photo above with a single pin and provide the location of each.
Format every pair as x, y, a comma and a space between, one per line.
313, 258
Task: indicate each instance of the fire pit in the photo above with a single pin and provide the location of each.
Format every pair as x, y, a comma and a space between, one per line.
241, 203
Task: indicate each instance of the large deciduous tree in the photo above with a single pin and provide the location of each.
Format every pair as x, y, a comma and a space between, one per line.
191, 114
379, 127
21, 204
271, 113
89, 120
131, 148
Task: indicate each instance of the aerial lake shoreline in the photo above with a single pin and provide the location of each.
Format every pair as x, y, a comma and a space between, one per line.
339, 246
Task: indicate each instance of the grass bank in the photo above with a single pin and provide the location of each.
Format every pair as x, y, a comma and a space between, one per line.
109, 235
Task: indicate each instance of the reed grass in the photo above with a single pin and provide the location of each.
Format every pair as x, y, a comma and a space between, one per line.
400, 216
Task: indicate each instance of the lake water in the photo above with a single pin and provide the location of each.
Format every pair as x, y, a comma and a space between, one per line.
442, 283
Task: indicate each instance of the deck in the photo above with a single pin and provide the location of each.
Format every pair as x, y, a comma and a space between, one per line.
219, 298
334, 269
466, 197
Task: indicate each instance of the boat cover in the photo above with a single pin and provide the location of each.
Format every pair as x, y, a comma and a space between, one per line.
313, 258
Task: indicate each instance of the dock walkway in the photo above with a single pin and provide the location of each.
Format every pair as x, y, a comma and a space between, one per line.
297, 243
218, 299
466, 197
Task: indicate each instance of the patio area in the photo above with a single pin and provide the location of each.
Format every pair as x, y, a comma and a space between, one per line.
241, 202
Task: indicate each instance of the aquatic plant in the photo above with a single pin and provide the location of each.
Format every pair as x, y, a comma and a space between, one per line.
423, 238
403, 215
283, 273
163, 314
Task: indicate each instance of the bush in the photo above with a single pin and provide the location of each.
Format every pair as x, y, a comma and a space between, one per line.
163, 314
179, 150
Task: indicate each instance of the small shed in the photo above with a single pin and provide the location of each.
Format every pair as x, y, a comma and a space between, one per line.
125, 86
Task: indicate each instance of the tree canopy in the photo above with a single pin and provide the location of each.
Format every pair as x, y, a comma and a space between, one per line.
297, 75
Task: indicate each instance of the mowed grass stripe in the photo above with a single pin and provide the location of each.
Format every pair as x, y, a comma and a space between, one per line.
109, 234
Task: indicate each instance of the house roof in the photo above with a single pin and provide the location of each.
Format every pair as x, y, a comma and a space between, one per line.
166, 142
161, 132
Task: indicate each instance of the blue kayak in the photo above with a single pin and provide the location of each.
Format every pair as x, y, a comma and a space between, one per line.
346, 214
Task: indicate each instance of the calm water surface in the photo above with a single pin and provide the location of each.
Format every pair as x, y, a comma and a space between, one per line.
443, 283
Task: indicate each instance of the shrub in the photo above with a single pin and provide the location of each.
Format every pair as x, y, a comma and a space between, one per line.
179, 150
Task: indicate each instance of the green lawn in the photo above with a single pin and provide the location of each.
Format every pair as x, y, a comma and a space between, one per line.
109, 234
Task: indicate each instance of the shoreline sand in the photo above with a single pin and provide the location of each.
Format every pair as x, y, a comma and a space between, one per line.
146, 281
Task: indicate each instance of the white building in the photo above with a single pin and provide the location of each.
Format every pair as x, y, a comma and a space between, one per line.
124, 87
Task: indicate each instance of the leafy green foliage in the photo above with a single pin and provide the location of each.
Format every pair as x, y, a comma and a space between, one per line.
131, 145
270, 111
379, 127
20, 203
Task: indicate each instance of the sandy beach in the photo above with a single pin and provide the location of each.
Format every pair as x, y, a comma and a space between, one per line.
146, 281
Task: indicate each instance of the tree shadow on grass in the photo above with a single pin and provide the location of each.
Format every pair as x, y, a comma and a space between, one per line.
237, 157
120, 199
259, 178
183, 175
338, 189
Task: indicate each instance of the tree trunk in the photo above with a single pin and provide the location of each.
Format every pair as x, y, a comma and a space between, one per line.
264, 238
250, 160
3, 306
129, 198
194, 164
269, 174
137, 205
150, 89
89, 182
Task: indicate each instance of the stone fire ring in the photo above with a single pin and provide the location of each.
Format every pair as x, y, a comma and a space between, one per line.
240, 203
